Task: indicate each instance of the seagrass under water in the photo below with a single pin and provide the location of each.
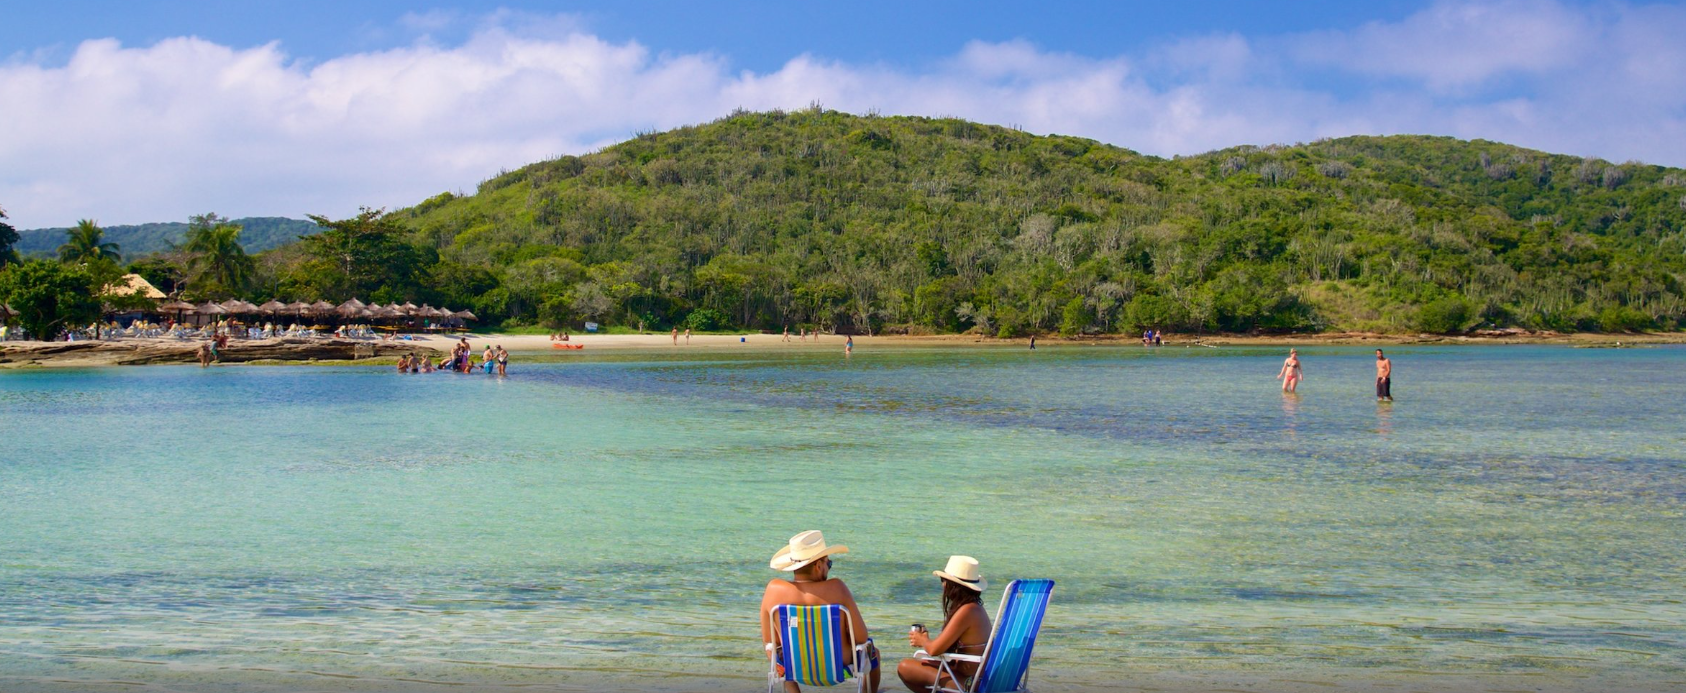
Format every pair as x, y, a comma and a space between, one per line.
1513, 522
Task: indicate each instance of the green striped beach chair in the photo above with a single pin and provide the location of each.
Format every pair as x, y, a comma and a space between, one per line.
814, 647
1006, 659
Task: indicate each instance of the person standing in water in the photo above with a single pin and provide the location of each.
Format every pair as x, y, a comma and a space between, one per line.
1033, 342
849, 346
503, 360
1290, 374
1384, 378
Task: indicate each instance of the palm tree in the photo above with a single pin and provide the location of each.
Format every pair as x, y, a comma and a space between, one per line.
217, 259
85, 243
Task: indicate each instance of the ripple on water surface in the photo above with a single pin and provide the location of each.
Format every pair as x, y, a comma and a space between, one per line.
1511, 523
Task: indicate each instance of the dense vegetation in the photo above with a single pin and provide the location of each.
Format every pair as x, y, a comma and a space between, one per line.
766, 219
258, 234
863, 223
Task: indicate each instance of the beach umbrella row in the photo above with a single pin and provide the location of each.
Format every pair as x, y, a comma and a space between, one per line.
350, 309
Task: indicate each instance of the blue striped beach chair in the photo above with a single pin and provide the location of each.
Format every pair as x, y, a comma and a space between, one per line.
814, 647
1006, 659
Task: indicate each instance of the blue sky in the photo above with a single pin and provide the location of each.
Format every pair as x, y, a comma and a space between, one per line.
153, 110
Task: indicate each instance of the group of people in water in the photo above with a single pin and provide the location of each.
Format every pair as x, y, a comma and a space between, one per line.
461, 360
965, 627
1292, 372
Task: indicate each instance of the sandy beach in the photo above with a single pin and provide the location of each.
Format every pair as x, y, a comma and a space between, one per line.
127, 352
543, 343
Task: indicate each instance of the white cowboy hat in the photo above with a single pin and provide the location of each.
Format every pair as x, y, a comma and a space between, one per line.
963, 571
804, 548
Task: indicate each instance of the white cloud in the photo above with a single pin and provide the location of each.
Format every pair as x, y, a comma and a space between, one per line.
132, 134
1454, 45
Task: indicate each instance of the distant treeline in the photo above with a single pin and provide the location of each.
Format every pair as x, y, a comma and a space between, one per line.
258, 234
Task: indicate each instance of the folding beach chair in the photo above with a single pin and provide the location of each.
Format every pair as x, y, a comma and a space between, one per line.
1006, 659
814, 647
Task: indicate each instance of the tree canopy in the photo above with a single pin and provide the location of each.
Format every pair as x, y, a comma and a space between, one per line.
85, 242
48, 296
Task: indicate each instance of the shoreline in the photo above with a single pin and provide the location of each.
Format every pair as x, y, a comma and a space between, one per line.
132, 352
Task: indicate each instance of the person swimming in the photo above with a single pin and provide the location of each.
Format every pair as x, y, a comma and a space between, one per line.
1291, 373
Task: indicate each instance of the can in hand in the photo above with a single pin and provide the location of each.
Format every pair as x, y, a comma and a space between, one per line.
917, 628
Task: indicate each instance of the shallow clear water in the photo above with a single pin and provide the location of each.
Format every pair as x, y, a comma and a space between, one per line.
1514, 522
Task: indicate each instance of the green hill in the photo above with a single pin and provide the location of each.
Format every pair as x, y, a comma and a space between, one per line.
257, 235
768, 219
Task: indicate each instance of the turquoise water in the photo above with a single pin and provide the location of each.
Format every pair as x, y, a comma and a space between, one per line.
1514, 522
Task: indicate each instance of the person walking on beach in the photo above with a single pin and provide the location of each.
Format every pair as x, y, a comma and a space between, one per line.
1290, 374
687, 336
965, 629
1384, 378
808, 559
1033, 342
675, 336
787, 333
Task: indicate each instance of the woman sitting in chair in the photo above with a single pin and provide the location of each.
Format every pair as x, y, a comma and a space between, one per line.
965, 630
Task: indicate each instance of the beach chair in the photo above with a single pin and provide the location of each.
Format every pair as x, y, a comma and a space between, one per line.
1006, 659
812, 646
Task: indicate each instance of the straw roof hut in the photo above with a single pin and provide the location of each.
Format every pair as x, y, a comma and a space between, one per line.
351, 309
272, 307
320, 307
209, 308
135, 285
178, 306
464, 315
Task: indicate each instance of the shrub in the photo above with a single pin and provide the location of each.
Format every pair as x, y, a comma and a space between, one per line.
1148, 311
1443, 316
1334, 169
1075, 317
705, 319
1623, 319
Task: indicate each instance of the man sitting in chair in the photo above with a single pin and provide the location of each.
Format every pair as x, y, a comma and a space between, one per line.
809, 560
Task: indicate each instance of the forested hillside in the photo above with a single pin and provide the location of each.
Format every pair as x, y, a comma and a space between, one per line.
258, 234
767, 219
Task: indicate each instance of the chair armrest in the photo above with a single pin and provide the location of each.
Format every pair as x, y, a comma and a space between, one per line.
921, 654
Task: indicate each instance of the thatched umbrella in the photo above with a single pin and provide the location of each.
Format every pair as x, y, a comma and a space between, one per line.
210, 308
350, 309
179, 306
408, 308
272, 307
6, 312
321, 307
465, 315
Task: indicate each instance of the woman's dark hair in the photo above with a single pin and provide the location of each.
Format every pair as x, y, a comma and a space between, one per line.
956, 596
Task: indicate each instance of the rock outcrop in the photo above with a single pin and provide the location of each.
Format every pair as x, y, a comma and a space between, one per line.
150, 351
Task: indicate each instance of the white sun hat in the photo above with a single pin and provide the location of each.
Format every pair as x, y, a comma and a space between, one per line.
963, 570
803, 549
